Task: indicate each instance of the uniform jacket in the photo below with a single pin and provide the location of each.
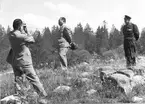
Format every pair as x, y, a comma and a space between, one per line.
130, 31
20, 53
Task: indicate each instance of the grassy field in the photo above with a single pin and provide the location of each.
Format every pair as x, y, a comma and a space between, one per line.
83, 80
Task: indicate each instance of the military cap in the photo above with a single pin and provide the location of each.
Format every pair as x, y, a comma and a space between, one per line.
127, 17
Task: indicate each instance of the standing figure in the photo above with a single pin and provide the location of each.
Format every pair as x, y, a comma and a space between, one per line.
131, 35
64, 40
20, 56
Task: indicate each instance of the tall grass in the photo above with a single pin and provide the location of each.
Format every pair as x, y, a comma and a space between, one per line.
79, 82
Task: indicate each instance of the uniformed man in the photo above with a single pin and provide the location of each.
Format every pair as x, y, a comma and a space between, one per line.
65, 42
20, 56
131, 35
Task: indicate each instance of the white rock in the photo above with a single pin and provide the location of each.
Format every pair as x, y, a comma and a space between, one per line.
123, 81
12, 99
43, 101
85, 74
136, 99
84, 63
62, 89
111, 60
137, 80
86, 80
92, 91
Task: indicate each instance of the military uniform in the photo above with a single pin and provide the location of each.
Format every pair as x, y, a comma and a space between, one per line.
64, 40
21, 60
131, 35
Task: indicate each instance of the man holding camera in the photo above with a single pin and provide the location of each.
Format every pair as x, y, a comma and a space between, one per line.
20, 57
65, 42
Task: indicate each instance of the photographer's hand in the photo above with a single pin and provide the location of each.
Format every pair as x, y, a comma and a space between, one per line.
25, 29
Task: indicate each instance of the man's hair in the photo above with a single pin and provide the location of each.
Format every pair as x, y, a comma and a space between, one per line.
63, 19
17, 23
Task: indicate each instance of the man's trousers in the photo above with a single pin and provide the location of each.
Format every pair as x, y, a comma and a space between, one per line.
31, 76
63, 58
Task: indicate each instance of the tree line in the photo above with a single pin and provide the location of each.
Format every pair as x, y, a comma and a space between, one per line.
98, 41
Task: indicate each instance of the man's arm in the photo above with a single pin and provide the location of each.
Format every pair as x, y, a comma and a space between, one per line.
29, 39
136, 31
25, 37
67, 35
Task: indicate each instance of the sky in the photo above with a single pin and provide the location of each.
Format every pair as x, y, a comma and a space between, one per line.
41, 13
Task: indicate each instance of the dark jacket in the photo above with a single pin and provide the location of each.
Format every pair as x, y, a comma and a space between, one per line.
65, 37
20, 52
130, 31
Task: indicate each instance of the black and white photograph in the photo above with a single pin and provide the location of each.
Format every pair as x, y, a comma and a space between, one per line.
72, 52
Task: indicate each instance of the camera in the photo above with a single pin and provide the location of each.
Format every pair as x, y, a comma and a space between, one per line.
25, 27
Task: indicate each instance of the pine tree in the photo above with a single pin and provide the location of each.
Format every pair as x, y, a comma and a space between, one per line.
142, 41
4, 42
36, 47
79, 36
98, 40
42, 47
2, 33
55, 35
46, 45
8, 29
102, 38
4, 48
115, 39
90, 40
